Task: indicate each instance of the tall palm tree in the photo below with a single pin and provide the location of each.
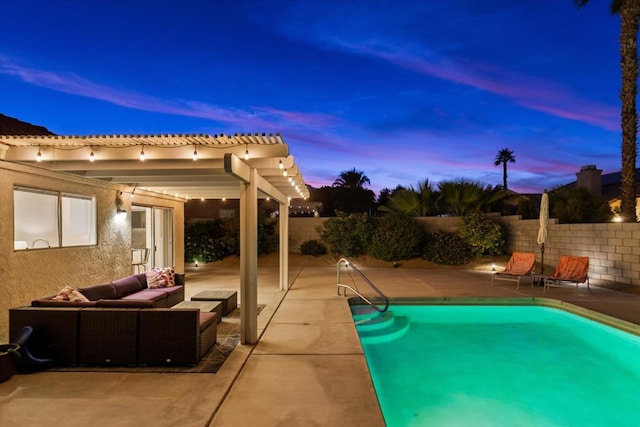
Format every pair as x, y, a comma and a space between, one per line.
504, 156
350, 195
351, 179
629, 11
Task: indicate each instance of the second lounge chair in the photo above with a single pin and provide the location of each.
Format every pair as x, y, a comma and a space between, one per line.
570, 269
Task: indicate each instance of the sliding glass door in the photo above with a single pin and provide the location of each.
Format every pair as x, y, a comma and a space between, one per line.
152, 232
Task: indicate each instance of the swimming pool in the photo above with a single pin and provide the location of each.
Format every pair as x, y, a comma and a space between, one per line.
488, 365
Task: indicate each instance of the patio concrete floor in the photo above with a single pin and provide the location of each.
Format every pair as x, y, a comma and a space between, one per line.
307, 369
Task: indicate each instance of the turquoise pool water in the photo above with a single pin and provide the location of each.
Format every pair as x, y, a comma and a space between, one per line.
437, 365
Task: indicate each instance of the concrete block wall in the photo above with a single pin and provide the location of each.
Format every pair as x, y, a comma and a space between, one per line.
302, 229
613, 248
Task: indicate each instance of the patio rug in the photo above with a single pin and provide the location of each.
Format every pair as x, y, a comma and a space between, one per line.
228, 338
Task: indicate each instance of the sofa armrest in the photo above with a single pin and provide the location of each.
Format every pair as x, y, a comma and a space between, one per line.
55, 331
169, 336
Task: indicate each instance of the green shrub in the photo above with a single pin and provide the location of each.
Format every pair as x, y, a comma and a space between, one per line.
267, 235
347, 235
446, 248
208, 241
397, 237
578, 206
484, 236
313, 247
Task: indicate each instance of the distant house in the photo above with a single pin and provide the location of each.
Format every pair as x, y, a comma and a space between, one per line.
606, 186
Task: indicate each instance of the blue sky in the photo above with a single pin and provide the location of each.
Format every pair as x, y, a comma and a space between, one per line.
401, 90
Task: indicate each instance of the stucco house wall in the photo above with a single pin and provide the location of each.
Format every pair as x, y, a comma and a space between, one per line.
29, 274
613, 248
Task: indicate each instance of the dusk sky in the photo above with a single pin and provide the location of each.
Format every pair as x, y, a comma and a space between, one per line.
401, 90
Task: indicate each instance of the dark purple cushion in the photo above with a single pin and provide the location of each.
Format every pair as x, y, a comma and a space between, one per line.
207, 319
146, 295
142, 278
126, 285
169, 291
124, 303
103, 291
179, 279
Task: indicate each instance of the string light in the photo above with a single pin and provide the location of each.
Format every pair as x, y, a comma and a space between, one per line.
142, 153
92, 157
39, 156
246, 153
284, 172
195, 153
280, 164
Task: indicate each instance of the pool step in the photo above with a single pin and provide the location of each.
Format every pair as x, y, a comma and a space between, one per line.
382, 328
368, 322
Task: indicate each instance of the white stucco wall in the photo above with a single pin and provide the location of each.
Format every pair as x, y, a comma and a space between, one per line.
29, 274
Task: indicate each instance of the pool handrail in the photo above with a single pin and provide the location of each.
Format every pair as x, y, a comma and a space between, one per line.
344, 287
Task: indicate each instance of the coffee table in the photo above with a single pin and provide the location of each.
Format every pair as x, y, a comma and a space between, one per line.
203, 306
229, 299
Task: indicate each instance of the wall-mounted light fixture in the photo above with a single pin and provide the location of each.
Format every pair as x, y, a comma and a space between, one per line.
120, 203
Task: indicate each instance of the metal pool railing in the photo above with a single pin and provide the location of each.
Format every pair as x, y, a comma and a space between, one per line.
341, 286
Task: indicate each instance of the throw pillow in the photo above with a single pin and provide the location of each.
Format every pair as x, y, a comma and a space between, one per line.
156, 279
69, 294
63, 295
170, 273
76, 296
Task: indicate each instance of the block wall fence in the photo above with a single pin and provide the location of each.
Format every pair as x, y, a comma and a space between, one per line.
613, 248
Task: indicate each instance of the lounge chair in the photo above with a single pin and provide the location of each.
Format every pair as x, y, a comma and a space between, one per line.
570, 269
520, 265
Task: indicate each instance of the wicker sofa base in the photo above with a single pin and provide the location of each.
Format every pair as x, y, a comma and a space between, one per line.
116, 336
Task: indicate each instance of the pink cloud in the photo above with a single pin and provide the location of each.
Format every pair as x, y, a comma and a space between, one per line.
265, 118
526, 91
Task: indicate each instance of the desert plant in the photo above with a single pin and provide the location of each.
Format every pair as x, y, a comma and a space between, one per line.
347, 235
484, 236
446, 248
397, 237
313, 247
578, 205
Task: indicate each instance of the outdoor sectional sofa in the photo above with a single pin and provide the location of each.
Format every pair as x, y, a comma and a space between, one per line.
123, 323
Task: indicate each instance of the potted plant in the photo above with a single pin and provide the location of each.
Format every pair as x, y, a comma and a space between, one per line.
9, 354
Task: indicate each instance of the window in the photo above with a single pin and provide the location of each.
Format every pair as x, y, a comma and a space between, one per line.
78, 220
43, 219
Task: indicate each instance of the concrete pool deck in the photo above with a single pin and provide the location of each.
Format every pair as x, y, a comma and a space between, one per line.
308, 367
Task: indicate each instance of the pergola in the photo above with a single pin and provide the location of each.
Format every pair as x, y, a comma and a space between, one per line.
243, 166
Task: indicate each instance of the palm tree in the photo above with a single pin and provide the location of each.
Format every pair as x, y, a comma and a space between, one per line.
629, 11
461, 197
504, 156
413, 201
351, 179
350, 194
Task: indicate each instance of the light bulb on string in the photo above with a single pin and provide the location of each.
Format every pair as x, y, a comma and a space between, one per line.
142, 154
195, 153
246, 153
92, 157
39, 156
280, 164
